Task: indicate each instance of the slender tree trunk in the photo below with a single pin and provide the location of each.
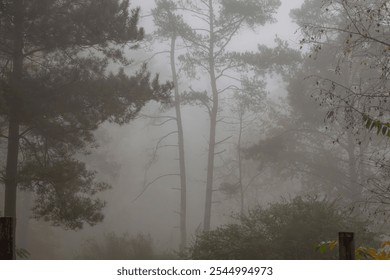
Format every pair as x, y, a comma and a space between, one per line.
355, 188
213, 124
210, 171
242, 191
11, 170
183, 181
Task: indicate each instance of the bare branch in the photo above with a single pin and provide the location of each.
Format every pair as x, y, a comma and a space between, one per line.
164, 122
220, 152
158, 117
152, 182
223, 140
164, 137
232, 87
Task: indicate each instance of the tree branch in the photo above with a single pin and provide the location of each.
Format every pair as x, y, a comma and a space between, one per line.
152, 182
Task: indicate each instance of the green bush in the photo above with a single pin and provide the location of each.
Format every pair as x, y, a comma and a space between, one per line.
288, 230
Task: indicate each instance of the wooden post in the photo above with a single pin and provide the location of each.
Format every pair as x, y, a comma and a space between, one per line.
346, 246
7, 238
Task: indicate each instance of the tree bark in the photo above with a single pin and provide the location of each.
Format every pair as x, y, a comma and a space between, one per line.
7, 248
180, 133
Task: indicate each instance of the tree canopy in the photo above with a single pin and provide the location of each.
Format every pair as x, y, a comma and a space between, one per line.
56, 89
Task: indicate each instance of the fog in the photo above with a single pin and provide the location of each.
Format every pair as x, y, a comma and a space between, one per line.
290, 139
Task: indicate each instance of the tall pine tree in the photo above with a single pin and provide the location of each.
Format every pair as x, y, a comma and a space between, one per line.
218, 22
55, 91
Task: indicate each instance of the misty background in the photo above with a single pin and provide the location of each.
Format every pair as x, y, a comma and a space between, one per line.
282, 157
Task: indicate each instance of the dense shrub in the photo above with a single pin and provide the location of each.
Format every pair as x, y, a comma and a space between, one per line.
287, 230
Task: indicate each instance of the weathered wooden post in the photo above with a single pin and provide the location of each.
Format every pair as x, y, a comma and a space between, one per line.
346, 246
7, 238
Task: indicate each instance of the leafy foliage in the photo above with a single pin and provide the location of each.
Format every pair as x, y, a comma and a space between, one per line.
169, 23
381, 127
345, 72
382, 253
359, 34
50, 25
317, 138
63, 92
286, 230
280, 59
252, 11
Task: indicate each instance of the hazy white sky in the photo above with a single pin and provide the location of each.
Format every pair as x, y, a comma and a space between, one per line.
246, 40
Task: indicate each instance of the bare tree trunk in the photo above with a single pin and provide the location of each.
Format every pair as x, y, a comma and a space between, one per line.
210, 171
242, 191
355, 188
213, 124
11, 170
183, 181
